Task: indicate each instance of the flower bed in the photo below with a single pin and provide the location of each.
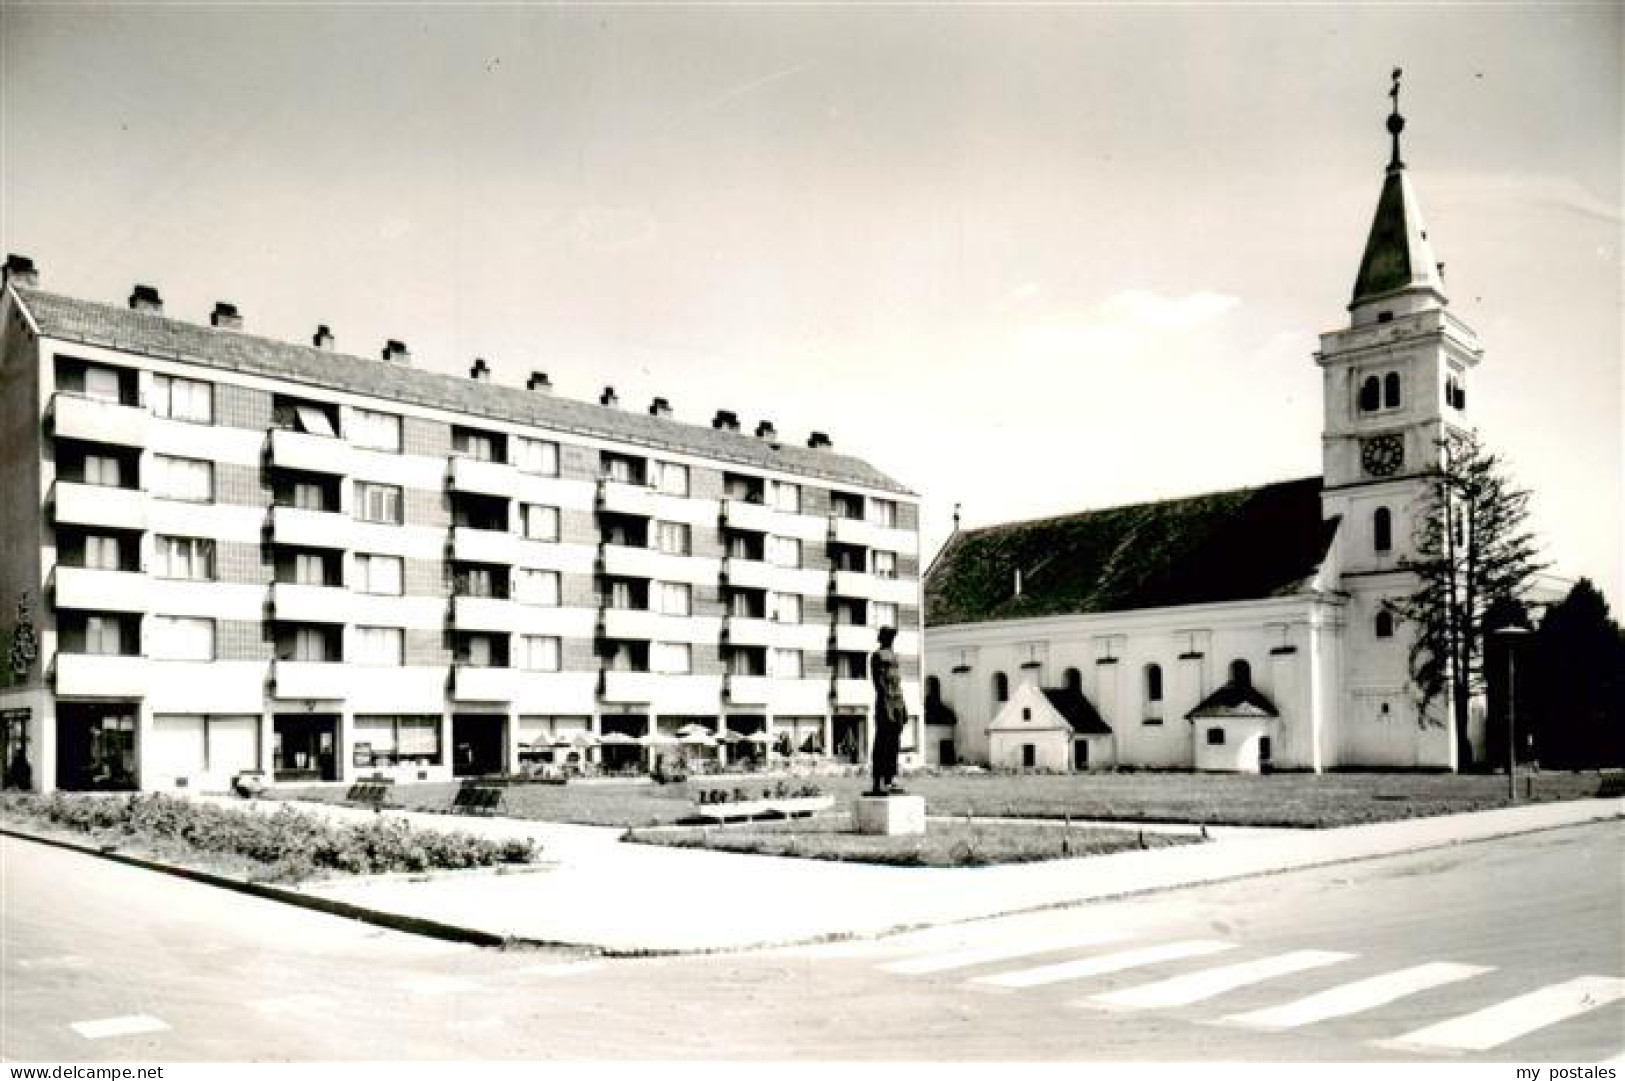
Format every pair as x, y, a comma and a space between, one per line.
287, 845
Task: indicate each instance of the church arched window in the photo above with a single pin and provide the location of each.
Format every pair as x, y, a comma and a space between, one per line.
1153, 683
1390, 390
1370, 392
1074, 681
1001, 687
1241, 673
1385, 624
1382, 530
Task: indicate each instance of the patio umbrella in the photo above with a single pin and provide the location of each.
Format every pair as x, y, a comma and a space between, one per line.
619, 739
698, 739
586, 739
731, 737
694, 730
657, 739
759, 737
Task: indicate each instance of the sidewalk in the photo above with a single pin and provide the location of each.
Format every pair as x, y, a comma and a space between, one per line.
628, 898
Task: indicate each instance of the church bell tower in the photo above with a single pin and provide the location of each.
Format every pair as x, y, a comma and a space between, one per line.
1394, 382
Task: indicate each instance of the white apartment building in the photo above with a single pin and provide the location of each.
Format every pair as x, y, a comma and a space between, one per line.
242, 554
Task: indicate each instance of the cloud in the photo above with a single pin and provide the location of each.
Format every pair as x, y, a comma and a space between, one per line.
1126, 323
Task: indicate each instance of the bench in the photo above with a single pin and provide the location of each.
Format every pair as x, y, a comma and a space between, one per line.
374, 794
478, 799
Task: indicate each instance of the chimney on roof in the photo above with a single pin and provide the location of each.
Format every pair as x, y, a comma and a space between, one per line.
395, 352
539, 381
660, 407
726, 420
609, 399
323, 338
145, 298
480, 371
819, 441
225, 316
20, 271
765, 430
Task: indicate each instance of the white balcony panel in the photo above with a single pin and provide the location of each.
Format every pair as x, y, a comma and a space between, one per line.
853, 531
222, 521
483, 614
630, 687
850, 584
76, 417
853, 692
622, 498
312, 604
411, 542
907, 644
750, 690
750, 632
554, 621
750, 574
682, 508
807, 636
698, 630
206, 686
626, 561
484, 545
855, 639
403, 689
382, 610
806, 581
211, 600
107, 591
556, 693
800, 697
485, 478
633, 623
903, 591
549, 555
91, 675
310, 679
310, 528
407, 470
742, 514
215, 442
687, 694
311, 453
554, 491
94, 504
471, 683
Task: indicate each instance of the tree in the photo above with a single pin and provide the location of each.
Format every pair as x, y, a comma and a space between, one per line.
1580, 657
1474, 557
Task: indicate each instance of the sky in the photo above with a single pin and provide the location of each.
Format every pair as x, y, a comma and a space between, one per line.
1027, 260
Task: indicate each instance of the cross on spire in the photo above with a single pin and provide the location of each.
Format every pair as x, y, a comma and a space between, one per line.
1396, 123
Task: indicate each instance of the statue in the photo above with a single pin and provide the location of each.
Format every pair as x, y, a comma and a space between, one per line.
890, 714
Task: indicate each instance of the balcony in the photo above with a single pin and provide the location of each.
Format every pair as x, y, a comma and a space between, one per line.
309, 528
482, 477
484, 545
94, 504
76, 417
327, 680
853, 531
748, 690
850, 584
99, 590
308, 603
621, 497
310, 453
630, 623
479, 683
744, 631
852, 692
483, 614
627, 561
630, 687
743, 514
748, 573
851, 638
98, 676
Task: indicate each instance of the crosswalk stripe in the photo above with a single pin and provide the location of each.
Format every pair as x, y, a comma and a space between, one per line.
1111, 962
133, 1025
999, 951
1506, 1021
1199, 986
1355, 997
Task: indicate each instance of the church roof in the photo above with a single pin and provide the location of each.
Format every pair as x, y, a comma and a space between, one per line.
1234, 700
153, 334
1246, 544
1079, 712
1398, 257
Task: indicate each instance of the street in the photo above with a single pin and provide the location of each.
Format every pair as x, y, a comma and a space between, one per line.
1511, 950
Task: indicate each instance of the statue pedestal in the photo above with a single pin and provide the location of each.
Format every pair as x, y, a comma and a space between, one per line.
890, 816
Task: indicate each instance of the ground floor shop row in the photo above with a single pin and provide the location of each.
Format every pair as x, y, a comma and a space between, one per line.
111, 744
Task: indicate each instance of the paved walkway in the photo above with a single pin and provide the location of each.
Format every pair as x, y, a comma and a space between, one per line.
617, 897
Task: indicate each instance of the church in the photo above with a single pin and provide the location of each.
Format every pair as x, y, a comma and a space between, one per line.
1236, 631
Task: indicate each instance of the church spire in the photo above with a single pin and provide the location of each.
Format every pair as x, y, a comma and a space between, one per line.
1398, 261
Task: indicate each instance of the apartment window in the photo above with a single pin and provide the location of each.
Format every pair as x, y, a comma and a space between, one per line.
380, 645
182, 478
182, 399
883, 564
102, 383
312, 418
311, 644
743, 488
673, 658
1382, 530
309, 569
378, 502
540, 523
102, 552
784, 551
883, 512
673, 538
539, 653
104, 470
379, 574
476, 581
1153, 683
787, 663
784, 496
882, 614
479, 651
537, 456
172, 638
787, 608
484, 446
676, 598
672, 478
308, 495
104, 635
619, 595
621, 469
538, 587
375, 431
184, 557
846, 505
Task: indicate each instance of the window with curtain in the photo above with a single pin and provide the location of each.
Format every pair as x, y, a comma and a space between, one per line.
184, 557
375, 431
182, 478
540, 587
784, 551
539, 653
537, 456
104, 470
787, 608
540, 523
882, 614
380, 645
176, 638
379, 574
673, 538
883, 564
787, 663
378, 502
676, 598
102, 552
784, 496
182, 399
673, 478
673, 658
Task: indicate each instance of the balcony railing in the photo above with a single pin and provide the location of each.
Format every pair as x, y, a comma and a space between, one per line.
483, 477
630, 623
746, 631
95, 504
852, 638
851, 692
484, 545
630, 561
101, 676
748, 573
479, 683
328, 680
748, 690
483, 614
310, 528
622, 497
629, 687
309, 603
74, 416
743, 514
108, 591
311, 453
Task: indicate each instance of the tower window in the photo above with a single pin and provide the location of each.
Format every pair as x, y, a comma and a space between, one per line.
1390, 390
1153, 683
1385, 624
1074, 681
1382, 530
1241, 673
1001, 687
1370, 392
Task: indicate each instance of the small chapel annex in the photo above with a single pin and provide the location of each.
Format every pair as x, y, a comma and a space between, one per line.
1233, 631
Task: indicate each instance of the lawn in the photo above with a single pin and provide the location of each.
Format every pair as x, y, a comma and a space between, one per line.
1282, 799
955, 843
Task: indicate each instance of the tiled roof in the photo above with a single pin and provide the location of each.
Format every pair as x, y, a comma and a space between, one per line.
1234, 700
1225, 546
155, 335
1079, 712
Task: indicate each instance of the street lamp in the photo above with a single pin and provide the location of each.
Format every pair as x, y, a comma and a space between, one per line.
1509, 635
